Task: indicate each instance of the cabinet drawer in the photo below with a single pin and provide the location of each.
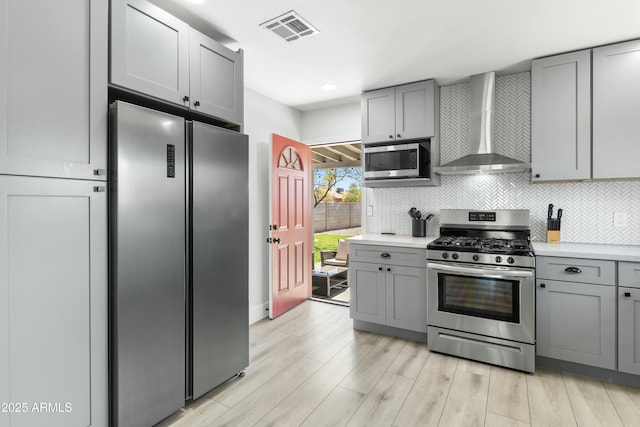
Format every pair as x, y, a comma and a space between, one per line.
629, 274
598, 272
392, 255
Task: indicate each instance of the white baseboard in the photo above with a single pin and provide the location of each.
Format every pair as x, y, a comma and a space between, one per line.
258, 312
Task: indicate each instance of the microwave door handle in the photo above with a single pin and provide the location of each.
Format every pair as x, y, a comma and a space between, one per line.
480, 272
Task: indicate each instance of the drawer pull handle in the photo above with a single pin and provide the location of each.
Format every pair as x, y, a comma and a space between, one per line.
542, 285
379, 268
627, 294
573, 270
385, 255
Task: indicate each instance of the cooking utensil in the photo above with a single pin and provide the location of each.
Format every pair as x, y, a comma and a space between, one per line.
550, 212
412, 212
417, 215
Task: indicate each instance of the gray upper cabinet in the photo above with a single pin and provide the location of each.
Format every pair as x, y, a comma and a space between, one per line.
53, 90
149, 50
561, 117
156, 54
216, 82
616, 108
378, 115
53, 300
399, 113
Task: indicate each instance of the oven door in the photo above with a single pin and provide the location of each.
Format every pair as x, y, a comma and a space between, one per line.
494, 301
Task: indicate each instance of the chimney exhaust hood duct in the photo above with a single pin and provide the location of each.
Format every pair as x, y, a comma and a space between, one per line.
481, 123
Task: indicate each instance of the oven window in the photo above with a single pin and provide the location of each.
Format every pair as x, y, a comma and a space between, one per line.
488, 298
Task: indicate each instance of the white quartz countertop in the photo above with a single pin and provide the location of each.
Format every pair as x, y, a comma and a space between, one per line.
588, 250
392, 240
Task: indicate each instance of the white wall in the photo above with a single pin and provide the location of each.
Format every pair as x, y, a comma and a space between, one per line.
339, 123
263, 116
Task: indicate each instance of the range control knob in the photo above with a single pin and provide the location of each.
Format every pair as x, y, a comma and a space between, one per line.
498, 258
476, 257
454, 256
445, 255
510, 260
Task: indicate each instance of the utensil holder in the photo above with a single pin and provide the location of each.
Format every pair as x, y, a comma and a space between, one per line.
418, 227
553, 236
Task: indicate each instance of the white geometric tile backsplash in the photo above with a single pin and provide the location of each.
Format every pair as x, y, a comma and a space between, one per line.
588, 207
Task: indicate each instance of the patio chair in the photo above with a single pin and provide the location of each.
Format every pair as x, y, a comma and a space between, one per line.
339, 258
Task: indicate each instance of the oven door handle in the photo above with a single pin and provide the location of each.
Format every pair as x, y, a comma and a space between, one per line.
480, 271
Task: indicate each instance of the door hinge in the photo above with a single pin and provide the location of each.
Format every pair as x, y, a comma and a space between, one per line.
99, 172
99, 189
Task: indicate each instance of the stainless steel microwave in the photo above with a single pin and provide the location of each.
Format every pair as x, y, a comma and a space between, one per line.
396, 161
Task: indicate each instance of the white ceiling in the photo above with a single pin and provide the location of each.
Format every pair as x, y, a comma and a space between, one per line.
368, 44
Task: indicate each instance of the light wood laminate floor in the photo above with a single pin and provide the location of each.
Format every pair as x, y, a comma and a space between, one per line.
310, 368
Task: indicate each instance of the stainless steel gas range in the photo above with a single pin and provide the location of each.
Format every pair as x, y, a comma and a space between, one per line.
481, 288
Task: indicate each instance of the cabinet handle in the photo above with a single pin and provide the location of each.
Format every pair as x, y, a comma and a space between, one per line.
276, 240
99, 172
385, 255
388, 269
197, 103
379, 268
542, 285
390, 136
185, 99
399, 136
537, 175
574, 270
99, 189
627, 294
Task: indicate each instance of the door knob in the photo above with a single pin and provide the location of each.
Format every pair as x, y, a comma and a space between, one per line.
379, 268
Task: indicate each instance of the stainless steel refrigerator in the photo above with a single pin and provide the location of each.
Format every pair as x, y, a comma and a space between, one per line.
178, 260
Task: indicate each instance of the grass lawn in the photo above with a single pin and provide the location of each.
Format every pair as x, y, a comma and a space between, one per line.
325, 242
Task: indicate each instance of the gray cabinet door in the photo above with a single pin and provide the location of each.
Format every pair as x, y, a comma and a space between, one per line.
53, 90
216, 82
367, 284
576, 322
378, 115
53, 300
629, 330
561, 117
616, 108
406, 289
415, 117
149, 51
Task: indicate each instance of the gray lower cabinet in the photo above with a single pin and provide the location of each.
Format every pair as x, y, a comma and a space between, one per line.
561, 117
406, 298
53, 89
576, 322
576, 310
53, 302
616, 108
392, 293
367, 283
629, 330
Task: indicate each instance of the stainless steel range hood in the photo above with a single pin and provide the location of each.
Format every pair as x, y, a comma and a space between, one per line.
481, 122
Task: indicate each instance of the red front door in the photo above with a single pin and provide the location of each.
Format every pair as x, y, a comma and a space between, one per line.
291, 228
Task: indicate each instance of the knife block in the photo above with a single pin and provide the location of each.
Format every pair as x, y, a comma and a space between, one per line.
553, 236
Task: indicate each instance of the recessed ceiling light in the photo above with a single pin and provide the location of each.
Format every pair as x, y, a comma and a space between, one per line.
329, 86
195, 1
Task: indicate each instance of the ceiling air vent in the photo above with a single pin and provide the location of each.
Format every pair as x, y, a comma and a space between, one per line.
290, 26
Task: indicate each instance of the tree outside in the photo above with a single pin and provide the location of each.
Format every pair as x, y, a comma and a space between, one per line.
325, 181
